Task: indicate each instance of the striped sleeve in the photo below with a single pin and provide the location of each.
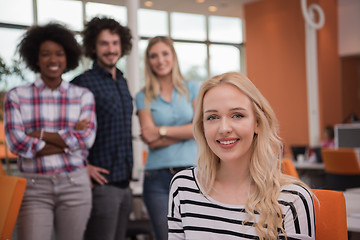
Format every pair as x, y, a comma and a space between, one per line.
175, 226
298, 212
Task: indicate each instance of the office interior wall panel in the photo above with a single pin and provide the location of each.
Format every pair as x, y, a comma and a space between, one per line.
275, 55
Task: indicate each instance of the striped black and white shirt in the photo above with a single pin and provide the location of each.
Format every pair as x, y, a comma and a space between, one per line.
195, 216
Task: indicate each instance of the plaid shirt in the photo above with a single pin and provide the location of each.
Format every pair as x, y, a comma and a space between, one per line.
112, 149
33, 107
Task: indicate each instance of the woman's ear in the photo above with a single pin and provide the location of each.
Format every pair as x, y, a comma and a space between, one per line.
256, 130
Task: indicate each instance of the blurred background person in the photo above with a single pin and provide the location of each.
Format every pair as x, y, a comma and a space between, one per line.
40, 126
165, 108
111, 157
328, 137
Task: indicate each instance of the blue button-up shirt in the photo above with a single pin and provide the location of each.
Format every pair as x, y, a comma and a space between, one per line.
112, 149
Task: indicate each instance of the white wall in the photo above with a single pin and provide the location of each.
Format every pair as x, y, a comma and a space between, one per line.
349, 27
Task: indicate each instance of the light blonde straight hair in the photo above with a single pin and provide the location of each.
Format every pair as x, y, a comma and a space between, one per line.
265, 162
152, 86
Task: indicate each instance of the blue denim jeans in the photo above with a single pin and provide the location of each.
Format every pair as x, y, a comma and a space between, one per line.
156, 198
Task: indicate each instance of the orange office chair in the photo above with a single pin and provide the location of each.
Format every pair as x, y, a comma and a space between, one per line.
330, 215
342, 168
11, 191
2, 170
287, 167
5, 153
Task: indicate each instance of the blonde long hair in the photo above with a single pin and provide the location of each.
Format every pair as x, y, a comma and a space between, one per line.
152, 86
265, 161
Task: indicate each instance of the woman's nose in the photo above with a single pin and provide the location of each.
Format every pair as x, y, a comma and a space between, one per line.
225, 126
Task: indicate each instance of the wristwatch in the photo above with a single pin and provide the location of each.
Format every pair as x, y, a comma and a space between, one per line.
162, 131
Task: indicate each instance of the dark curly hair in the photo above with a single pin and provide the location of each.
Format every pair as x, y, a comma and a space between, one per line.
93, 29
30, 45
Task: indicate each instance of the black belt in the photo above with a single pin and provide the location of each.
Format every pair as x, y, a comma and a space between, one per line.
121, 184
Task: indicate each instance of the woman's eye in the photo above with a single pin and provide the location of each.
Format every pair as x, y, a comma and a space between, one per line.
152, 56
209, 118
238, 115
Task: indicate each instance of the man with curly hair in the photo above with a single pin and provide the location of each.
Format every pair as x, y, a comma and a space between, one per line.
42, 127
111, 157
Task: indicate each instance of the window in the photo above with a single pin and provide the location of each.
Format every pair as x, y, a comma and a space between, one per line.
119, 13
224, 58
152, 23
192, 68
188, 26
205, 45
64, 11
225, 29
9, 55
13, 13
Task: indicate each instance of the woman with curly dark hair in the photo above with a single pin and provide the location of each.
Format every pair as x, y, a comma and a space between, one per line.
50, 124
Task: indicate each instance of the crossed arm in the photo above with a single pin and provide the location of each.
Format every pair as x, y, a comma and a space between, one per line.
53, 142
150, 132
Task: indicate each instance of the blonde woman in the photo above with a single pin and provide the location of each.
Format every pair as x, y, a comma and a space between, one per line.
237, 191
165, 108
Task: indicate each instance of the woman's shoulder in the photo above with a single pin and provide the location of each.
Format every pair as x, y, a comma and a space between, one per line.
192, 84
295, 192
187, 175
140, 93
193, 88
140, 98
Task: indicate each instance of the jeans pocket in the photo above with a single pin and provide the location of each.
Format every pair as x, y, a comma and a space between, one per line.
80, 180
151, 174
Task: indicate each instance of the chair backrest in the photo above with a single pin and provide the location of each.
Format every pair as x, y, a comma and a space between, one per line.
330, 215
11, 191
2, 170
5, 153
287, 167
340, 161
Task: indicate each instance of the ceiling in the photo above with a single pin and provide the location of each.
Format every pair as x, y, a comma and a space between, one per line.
231, 8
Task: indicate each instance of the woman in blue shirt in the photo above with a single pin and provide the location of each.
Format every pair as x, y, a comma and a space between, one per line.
165, 108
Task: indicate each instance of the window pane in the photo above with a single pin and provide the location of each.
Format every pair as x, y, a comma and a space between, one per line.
152, 23
118, 13
9, 43
193, 68
188, 26
225, 29
17, 11
64, 11
8, 52
224, 59
68, 76
122, 65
